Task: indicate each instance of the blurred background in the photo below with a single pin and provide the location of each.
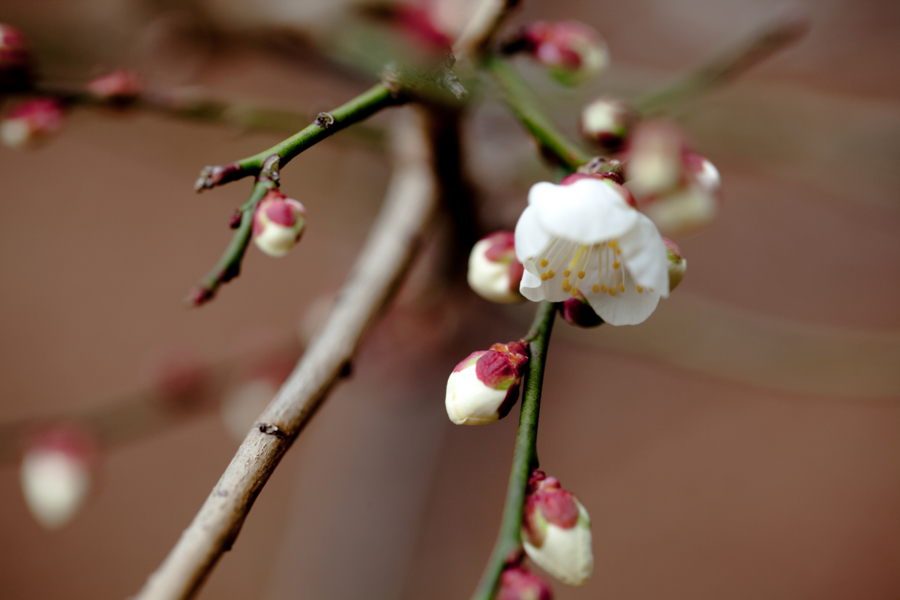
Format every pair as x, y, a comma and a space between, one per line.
744, 442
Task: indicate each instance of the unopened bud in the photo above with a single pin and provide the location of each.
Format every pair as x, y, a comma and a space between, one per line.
278, 223
573, 51
607, 122
15, 59
31, 122
118, 87
518, 583
677, 264
576, 311
56, 475
556, 531
654, 158
485, 386
494, 272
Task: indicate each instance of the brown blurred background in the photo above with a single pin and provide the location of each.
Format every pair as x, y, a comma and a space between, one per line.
743, 443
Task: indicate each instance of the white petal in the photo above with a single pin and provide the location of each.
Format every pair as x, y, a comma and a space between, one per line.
708, 177
469, 401
533, 288
276, 240
587, 211
625, 308
530, 237
644, 255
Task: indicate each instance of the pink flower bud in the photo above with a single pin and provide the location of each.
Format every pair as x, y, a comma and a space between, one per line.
556, 531
494, 272
483, 387
607, 122
578, 312
572, 51
518, 583
31, 122
119, 87
15, 59
56, 474
278, 223
677, 264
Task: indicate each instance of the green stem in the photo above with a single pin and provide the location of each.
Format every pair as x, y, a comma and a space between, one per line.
327, 124
726, 66
525, 106
509, 542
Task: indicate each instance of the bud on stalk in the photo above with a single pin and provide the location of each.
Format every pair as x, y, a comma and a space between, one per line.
556, 531
573, 51
494, 272
607, 122
278, 223
485, 386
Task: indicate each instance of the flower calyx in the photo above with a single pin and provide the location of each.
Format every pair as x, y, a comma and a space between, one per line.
573, 51
556, 530
485, 386
494, 272
577, 311
278, 223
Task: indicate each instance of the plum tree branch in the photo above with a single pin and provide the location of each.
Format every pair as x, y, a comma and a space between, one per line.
380, 268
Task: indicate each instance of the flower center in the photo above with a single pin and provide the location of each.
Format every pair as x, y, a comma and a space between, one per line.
595, 267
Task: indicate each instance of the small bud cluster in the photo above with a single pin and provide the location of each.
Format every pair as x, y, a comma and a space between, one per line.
494, 273
485, 386
278, 223
556, 531
31, 122
572, 51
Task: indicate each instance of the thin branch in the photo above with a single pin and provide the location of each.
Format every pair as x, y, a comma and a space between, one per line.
325, 125
725, 67
379, 270
522, 101
508, 547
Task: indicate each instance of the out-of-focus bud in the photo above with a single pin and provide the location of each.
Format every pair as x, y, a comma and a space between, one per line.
494, 272
654, 158
518, 583
573, 51
692, 204
15, 59
576, 311
119, 87
484, 387
677, 264
278, 223
31, 122
56, 475
607, 122
556, 531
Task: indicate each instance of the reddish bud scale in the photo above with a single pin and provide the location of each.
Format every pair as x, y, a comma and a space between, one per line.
66, 439
518, 583
555, 505
502, 246
576, 311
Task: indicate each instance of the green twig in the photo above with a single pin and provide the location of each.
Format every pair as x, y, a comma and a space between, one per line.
522, 101
326, 124
509, 542
725, 67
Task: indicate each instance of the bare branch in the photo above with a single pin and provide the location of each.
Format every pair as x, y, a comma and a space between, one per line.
382, 263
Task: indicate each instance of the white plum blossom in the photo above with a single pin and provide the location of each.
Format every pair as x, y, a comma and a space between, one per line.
583, 236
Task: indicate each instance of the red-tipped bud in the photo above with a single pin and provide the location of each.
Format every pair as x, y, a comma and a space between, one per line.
278, 223
15, 59
573, 51
118, 87
677, 264
56, 474
607, 122
556, 531
518, 583
494, 272
578, 312
485, 386
31, 122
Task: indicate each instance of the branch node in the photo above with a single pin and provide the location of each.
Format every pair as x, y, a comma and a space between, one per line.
210, 177
324, 120
272, 429
269, 171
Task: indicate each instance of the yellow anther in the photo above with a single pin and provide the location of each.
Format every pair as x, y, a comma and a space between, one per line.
574, 292
596, 288
566, 273
612, 292
551, 274
566, 286
544, 262
640, 289
603, 288
581, 274
621, 288
613, 244
544, 277
616, 265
